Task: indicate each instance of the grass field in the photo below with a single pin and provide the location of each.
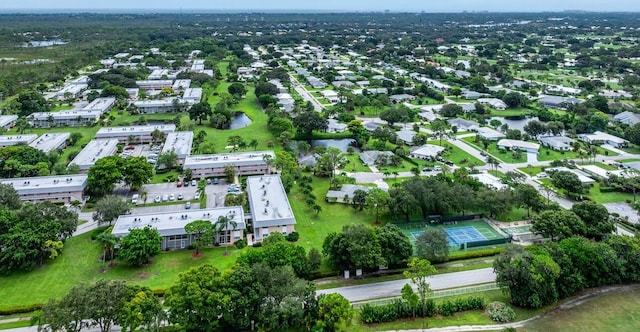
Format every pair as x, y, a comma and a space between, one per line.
601, 198
615, 311
505, 156
314, 228
80, 263
355, 164
457, 155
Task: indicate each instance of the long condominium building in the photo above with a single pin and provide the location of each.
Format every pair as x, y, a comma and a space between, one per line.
94, 151
244, 163
270, 208
139, 134
23, 139
51, 141
64, 118
8, 121
179, 142
57, 189
171, 225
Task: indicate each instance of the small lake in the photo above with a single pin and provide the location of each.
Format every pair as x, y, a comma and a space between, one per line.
515, 122
44, 43
341, 144
240, 120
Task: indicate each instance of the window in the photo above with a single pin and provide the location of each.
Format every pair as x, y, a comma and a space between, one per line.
265, 232
236, 235
284, 230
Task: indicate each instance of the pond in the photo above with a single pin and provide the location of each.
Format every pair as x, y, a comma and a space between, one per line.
514, 122
240, 120
341, 144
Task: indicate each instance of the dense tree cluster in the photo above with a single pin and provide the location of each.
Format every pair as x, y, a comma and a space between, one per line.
31, 234
541, 274
109, 171
25, 161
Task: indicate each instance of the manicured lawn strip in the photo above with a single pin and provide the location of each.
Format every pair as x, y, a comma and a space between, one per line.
80, 263
314, 228
601, 198
546, 154
616, 311
516, 214
405, 166
355, 164
532, 171
630, 160
511, 112
457, 155
475, 317
13, 325
633, 149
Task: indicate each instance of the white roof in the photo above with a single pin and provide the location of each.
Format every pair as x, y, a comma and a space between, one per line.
192, 93
181, 84
268, 201
487, 132
489, 180
428, 150
109, 132
582, 176
7, 119
47, 184
9, 140
514, 143
173, 222
93, 151
65, 115
223, 159
180, 142
100, 105
600, 136
50, 142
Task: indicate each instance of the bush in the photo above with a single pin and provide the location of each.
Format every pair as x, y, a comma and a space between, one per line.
293, 237
98, 231
500, 312
257, 244
241, 243
19, 309
447, 308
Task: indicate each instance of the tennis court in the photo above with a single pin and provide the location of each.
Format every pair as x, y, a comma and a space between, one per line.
458, 233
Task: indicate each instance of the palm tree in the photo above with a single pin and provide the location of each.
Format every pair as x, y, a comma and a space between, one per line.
254, 144
202, 186
108, 242
222, 224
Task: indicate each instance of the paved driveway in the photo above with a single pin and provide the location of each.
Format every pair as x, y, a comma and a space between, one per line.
623, 209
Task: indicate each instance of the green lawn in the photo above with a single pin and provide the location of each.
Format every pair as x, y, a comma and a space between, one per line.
355, 164
79, 263
532, 171
601, 198
631, 160
457, 155
615, 311
511, 112
504, 155
314, 228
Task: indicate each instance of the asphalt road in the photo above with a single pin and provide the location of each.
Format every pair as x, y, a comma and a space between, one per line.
393, 288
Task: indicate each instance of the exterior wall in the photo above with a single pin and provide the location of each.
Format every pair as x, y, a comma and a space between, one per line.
259, 233
63, 123
57, 197
183, 241
240, 170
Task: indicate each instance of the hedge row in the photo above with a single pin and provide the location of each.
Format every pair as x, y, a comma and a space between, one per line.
4, 311
399, 309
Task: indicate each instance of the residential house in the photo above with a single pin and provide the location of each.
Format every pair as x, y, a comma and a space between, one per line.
490, 134
333, 126
463, 125
556, 102
345, 194
401, 98
603, 138
373, 157
427, 151
406, 136
627, 117
558, 143
494, 103
512, 144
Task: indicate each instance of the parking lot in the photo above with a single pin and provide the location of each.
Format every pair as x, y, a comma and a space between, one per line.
215, 193
624, 210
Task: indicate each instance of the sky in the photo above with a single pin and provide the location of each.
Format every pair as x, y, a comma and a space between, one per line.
324, 5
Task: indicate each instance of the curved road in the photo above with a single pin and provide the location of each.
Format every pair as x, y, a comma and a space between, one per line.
392, 288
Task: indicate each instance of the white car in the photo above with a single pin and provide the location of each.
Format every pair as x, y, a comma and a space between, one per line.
437, 169
157, 199
165, 197
172, 197
135, 198
542, 175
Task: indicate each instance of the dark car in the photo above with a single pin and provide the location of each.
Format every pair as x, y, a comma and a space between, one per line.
426, 169
448, 163
185, 183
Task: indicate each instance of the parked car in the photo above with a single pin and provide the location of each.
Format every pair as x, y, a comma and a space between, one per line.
135, 198
172, 197
187, 205
482, 153
215, 181
130, 147
194, 182
186, 183
437, 168
448, 163
180, 196
179, 184
542, 175
197, 196
157, 199
208, 181
165, 197
426, 169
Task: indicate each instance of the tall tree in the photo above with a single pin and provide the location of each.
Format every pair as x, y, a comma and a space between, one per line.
9, 197
439, 126
395, 245
200, 111
526, 196
109, 209
433, 245
357, 246
419, 271
104, 175
377, 200
309, 121
202, 231
335, 313
596, 218
558, 225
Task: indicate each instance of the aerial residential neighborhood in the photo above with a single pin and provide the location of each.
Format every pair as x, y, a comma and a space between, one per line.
337, 169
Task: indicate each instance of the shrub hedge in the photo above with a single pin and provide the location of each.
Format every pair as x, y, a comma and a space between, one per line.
399, 309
